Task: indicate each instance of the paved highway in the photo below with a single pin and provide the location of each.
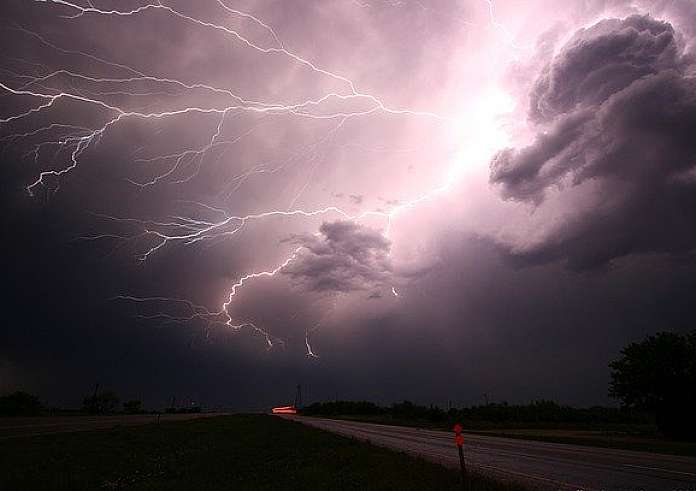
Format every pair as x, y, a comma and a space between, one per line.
43, 425
539, 465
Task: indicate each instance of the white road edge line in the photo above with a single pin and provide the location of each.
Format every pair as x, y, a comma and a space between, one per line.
660, 469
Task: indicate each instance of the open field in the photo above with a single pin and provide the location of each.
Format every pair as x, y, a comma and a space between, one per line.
46, 425
227, 452
627, 437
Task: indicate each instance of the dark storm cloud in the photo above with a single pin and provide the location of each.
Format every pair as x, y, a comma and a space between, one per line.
615, 109
601, 61
344, 256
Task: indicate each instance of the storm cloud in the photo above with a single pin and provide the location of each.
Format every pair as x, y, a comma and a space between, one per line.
343, 257
614, 111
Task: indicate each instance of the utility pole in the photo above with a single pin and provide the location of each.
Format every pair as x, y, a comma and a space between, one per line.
93, 404
298, 397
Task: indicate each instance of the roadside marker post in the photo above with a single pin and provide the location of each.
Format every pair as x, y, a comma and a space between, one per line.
459, 440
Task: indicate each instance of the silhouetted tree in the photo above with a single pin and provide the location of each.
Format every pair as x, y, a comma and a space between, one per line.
101, 402
19, 404
133, 407
659, 375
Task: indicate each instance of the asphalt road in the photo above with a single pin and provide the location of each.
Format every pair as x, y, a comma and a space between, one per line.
539, 465
44, 425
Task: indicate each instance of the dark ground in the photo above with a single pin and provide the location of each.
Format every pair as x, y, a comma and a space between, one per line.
229, 452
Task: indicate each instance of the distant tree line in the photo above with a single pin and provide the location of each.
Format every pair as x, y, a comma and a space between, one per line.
20, 403
183, 410
101, 402
542, 411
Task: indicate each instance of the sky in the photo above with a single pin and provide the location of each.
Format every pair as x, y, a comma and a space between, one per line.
437, 201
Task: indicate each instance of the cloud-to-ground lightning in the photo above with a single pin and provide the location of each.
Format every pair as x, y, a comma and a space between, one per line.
50, 87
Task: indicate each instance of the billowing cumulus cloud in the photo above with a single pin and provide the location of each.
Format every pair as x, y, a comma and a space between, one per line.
602, 60
614, 110
343, 257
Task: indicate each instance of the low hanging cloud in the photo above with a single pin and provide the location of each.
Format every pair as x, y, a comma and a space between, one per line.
615, 109
343, 257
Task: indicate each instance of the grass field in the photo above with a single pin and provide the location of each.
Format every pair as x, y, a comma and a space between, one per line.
642, 438
230, 452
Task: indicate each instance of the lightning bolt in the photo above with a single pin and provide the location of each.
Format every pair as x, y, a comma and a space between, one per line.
509, 36
52, 87
310, 352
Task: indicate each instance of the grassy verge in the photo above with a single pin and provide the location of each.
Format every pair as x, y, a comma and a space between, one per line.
230, 452
640, 438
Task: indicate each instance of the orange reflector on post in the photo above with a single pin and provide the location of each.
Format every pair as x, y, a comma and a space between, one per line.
459, 440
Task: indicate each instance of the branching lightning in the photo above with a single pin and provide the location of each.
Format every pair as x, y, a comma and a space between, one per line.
51, 87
